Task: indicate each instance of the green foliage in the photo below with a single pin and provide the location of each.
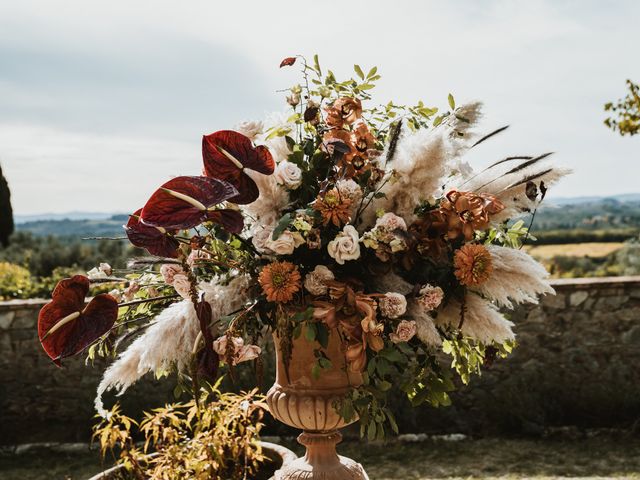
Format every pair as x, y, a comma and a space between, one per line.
215, 438
15, 281
510, 236
625, 112
581, 235
42, 255
625, 261
6, 213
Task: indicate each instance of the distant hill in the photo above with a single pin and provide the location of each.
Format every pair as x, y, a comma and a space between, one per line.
64, 216
619, 214
624, 197
109, 226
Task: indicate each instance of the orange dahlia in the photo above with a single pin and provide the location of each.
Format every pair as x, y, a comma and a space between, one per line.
333, 207
472, 264
280, 281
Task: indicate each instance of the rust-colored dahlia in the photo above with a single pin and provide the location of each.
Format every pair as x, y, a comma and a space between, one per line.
472, 264
363, 140
333, 207
467, 212
344, 110
280, 281
426, 236
338, 140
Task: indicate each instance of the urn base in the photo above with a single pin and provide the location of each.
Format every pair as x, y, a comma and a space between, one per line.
321, 462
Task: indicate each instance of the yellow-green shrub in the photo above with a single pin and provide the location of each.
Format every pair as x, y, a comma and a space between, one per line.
15, 281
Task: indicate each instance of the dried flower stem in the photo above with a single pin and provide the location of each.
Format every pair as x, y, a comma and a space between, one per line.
147, 300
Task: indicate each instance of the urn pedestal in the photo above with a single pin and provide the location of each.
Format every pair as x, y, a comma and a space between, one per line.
302, 401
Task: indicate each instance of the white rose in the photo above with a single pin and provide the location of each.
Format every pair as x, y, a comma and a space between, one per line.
345, 246
314, 282
250, 128
95, 274
115, 293
106, 268
349, 189
285, 244
278, 146
288, 174
261, 239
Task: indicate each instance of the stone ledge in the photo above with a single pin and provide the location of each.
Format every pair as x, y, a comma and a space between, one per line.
558, 283
30, 304
594, 282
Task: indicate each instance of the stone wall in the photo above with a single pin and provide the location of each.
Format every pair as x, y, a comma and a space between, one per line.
577, 363
40, 402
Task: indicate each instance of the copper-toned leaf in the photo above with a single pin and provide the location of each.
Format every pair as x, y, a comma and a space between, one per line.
66, 326
227, 153
185, 202
157, 241
287, 62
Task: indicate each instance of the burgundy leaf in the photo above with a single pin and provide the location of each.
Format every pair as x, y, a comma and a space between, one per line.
66, 327
231, 220
311, 113
287, 62
227, 153
208, 360
185, 202
157, 241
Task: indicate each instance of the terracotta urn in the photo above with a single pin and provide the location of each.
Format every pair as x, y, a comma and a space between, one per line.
302, 401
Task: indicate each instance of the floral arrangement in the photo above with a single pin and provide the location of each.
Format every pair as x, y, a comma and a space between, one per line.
337, 215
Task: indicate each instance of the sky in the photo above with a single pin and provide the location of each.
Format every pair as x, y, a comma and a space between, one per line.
101, 102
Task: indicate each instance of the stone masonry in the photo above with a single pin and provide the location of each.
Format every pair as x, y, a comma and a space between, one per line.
577, 363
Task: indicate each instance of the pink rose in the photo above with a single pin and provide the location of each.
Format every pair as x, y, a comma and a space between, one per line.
195, 256
405, 331
182, 285
131, 290
430, 297
392, 305
241, 352
391, 221
168, 270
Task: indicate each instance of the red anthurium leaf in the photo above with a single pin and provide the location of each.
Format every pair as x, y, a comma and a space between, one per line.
231, 220
287, 62
155, 240
66, 327
185, 202
227, 153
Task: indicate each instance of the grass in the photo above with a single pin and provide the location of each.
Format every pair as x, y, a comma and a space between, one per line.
593, 249
490, 458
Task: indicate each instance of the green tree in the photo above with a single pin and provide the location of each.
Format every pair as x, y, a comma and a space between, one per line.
625, 113
6, 213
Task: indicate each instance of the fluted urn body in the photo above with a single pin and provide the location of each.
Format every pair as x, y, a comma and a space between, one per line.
302, 401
